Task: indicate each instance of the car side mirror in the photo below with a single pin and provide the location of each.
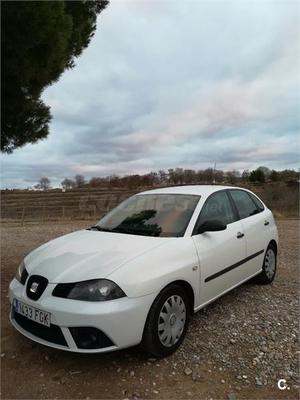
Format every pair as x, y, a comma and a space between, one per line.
210, 226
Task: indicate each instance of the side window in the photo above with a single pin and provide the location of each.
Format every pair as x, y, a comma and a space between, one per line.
258, 203
244, 203
217, 207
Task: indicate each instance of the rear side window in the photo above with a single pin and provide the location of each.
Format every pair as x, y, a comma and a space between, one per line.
217, 207
245, 205
257, 202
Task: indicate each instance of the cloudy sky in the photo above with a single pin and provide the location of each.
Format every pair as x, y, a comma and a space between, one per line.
168, 84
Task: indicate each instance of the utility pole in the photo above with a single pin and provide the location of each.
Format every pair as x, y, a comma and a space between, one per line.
214, 173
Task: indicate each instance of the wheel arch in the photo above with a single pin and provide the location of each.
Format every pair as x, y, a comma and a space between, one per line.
274, 244
187, 287
149, 339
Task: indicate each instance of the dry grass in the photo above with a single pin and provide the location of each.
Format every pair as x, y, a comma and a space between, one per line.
91, 203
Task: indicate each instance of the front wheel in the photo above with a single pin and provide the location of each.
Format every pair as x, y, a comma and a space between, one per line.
167, 322
269, 266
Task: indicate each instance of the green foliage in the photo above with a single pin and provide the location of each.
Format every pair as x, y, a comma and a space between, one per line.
180, 176
266, 171
257, 176
288, 175
40, 40
274, 176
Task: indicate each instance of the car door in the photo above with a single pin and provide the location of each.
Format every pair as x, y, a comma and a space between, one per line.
255, 220
219, 252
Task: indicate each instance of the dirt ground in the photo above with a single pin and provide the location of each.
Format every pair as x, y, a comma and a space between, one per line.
236, 348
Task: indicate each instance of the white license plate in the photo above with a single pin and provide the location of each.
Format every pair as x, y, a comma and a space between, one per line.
36, 315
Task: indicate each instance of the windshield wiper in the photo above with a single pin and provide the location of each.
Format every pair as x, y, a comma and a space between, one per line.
129, 231
98, 228
132, 231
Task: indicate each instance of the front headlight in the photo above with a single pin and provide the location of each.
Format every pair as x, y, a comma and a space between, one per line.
93, 290
21, 274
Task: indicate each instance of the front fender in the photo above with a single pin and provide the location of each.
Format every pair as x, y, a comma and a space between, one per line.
151, 272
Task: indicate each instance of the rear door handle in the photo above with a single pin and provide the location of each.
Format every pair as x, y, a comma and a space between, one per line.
266, 223
240, 235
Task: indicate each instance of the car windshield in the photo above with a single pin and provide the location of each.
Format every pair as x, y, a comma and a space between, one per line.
151, 215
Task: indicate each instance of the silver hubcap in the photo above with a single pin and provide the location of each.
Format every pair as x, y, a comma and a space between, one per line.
270, 263
171, 321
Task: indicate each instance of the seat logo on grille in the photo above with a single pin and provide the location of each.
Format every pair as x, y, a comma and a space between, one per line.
34, 287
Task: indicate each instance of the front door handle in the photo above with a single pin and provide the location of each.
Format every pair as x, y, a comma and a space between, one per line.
240, 235
266, 223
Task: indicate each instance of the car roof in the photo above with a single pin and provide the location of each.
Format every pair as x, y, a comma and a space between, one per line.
200, 190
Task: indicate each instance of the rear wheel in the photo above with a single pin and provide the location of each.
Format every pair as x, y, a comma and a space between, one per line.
167, 322
269, 266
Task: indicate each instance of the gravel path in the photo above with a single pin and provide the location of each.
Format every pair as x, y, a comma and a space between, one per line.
236, 348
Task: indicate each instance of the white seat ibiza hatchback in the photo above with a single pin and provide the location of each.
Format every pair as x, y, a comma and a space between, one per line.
143, 269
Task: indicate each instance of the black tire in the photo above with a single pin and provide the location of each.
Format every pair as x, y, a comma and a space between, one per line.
265, 277
151, 341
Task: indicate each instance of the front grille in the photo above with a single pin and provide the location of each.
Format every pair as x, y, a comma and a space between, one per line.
51, 334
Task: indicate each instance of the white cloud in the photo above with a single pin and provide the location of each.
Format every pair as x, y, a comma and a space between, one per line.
172, 83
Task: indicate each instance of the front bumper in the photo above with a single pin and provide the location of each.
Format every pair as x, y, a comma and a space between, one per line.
122, 321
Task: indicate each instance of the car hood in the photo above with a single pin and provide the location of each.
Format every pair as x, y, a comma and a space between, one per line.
87, 254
